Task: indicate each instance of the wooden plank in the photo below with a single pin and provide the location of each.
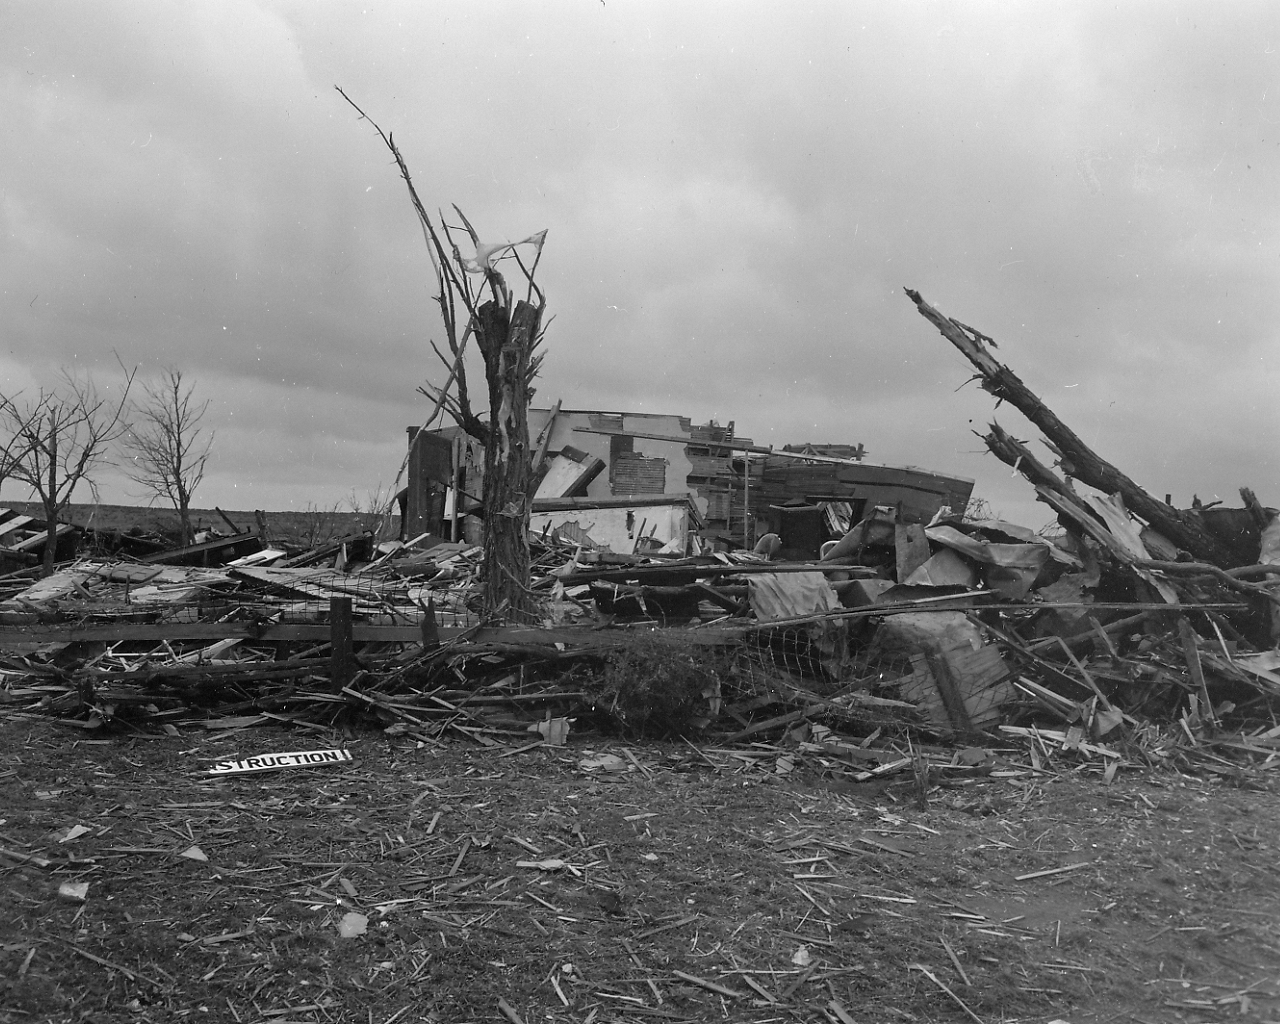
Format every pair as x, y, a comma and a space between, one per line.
544, 437
949, 685
569, 474
732, 445
299, 581
37, 540
984, 682
233, 547
919, 689
318, 583
17, 522
1192, 654
960, 688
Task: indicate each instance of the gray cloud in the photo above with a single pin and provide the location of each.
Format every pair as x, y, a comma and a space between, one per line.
736, 195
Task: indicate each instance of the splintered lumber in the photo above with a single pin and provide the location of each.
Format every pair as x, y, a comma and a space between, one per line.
1078, 460
114, 966
1052, 490
773, 723
710, 986
691, 570
949, 691
1054, 871
937, 981
1230, 577
543, 441
509, 1012
1192, 653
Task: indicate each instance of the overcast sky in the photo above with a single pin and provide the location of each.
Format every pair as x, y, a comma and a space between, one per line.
736, 195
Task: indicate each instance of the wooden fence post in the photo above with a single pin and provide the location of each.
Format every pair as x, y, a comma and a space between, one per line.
340, 639
430, 629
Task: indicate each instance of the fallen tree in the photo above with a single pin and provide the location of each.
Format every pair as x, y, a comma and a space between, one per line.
1077, 460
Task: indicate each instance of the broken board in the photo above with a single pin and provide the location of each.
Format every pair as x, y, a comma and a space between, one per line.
961, 690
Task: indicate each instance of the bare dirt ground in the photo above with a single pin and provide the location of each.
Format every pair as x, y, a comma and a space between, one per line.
599, 883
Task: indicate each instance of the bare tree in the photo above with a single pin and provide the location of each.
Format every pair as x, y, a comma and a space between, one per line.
59, 438
14, 443
475, 301
164, 444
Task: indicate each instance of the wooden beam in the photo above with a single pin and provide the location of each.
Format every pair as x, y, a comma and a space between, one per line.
728, 446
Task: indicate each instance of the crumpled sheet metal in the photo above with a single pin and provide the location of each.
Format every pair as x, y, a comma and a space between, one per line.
944, 568
1012, 568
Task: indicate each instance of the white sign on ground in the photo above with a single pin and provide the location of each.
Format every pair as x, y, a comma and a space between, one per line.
291, 759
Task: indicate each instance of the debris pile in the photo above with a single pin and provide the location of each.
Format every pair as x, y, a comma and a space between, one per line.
961, 629
1130, 631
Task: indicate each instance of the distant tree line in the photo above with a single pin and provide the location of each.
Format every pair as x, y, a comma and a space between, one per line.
57, 440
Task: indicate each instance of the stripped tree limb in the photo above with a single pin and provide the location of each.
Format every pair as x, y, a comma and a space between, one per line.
1053, 491
1229, 579
1077, 459
1264, 569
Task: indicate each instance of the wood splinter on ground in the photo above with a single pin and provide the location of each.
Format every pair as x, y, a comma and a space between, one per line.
942, 985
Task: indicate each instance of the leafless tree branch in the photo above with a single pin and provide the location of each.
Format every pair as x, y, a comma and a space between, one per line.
60, 437
165, 447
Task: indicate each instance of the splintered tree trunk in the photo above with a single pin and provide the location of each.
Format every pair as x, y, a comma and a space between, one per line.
506, 348
49, 555
1077, 459
184, 516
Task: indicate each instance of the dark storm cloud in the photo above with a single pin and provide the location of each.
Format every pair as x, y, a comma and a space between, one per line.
736, 195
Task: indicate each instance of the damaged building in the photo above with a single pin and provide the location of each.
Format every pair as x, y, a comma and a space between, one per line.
632, 482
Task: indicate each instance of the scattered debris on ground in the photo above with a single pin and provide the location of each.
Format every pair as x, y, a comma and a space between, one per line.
608, 881
957, 630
